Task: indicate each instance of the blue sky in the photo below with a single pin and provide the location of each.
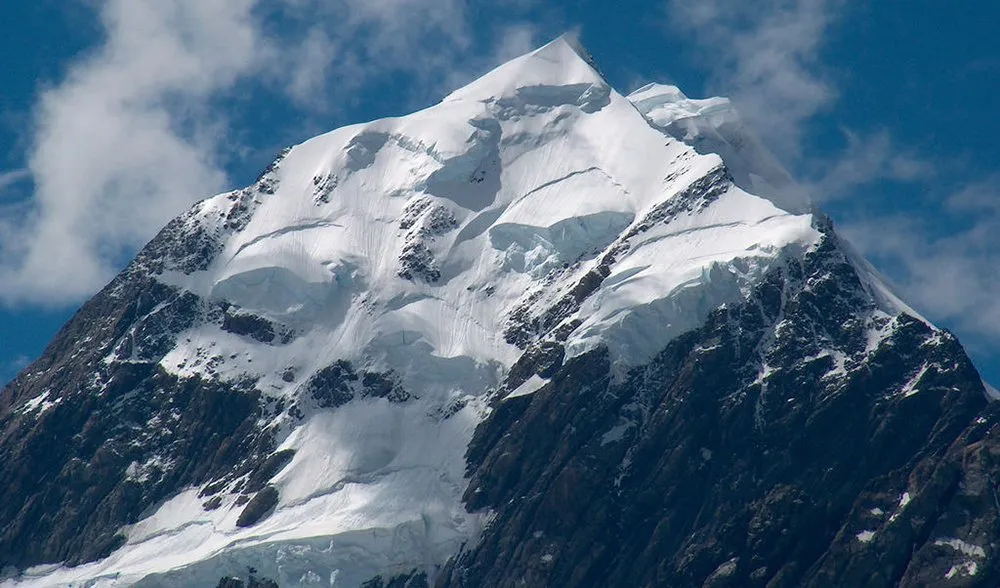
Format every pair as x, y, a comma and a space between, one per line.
118, 114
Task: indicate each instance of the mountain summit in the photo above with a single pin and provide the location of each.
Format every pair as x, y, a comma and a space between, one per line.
538, 334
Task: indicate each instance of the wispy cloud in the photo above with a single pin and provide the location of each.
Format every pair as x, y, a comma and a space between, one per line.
511, 40
342, 44
11, 177
9, 368
949, 273
767, 57
941, 250
866, 158
133, 134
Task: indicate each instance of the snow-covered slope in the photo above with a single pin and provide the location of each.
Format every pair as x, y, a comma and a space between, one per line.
423, 255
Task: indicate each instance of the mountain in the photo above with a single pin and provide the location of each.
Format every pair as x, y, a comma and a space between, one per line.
538, 334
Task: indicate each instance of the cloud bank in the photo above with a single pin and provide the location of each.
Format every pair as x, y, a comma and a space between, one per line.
134, 133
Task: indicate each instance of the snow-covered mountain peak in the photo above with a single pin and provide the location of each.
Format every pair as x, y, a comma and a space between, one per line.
485, 212
554, 69
380, 284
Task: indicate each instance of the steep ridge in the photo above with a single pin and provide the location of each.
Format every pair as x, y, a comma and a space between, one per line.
537, 334
800, 438
712, 125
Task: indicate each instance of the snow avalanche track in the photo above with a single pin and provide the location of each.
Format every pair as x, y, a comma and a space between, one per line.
435, 248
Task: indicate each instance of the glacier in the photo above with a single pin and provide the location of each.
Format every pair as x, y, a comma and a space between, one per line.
435, 248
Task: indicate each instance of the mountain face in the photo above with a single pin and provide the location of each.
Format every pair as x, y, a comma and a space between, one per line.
539, 334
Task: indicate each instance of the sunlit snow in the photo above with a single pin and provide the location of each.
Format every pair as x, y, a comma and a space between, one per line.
503, 196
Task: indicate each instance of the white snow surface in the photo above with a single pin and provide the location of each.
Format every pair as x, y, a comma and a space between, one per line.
968, 567
963, 547
512, 189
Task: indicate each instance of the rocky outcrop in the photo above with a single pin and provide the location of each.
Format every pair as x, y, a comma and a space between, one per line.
76, 471
259, 507
414, 579
95, 432
252, 581
423, 220
339, 383
801, 438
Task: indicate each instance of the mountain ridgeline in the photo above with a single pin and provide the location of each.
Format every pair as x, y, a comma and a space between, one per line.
539, 334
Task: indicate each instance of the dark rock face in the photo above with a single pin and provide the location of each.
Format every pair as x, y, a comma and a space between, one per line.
798, 439
339, 383
87, 445
543, 359
333, 385
415, 579
97, 460
259, 507
241, 322
417, 262
252, 581
94, 433
423, 220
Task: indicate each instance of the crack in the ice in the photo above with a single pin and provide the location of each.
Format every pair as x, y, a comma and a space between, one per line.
688, 231
579, 172
285, 230
359, 479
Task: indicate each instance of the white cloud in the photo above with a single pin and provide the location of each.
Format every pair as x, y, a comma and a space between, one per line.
133, 134
110, 160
